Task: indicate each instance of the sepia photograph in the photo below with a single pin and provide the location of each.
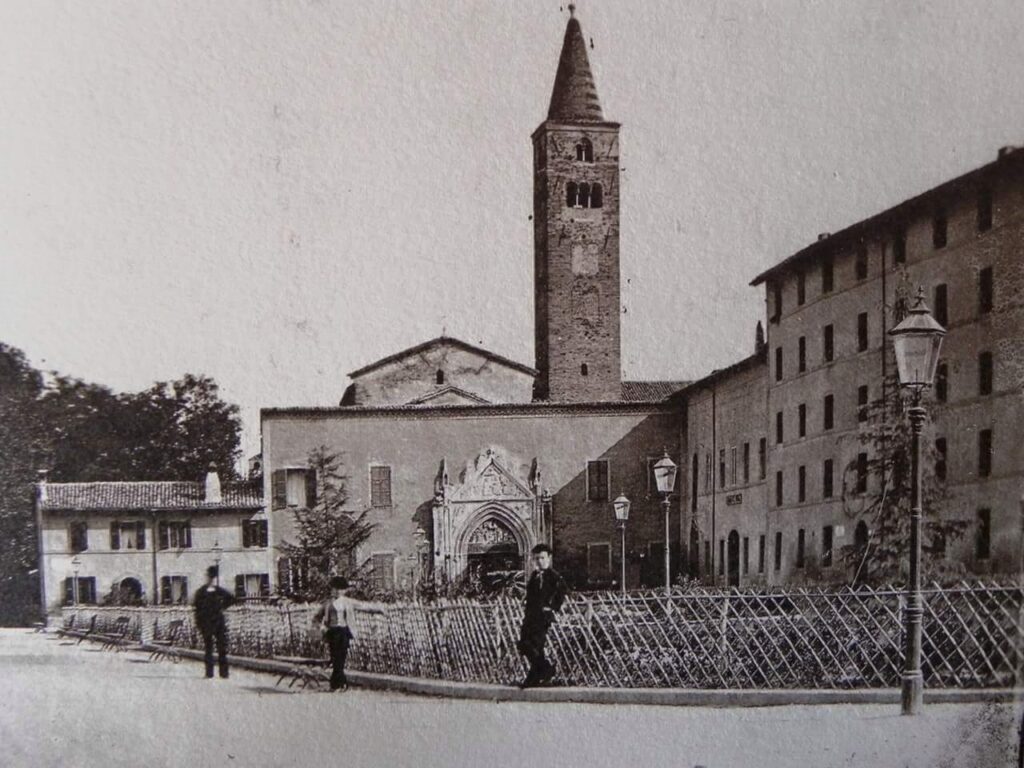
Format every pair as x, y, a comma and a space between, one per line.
604, 383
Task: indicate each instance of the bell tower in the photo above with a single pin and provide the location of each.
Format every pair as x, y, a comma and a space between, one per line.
576, 237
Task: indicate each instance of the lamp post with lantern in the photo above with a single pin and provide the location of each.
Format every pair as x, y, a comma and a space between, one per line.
621, 507
665, 478
420, 543
76, 563
916, 342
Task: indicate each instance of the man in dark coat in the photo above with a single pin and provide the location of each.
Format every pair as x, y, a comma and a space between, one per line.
545, 593
210, 602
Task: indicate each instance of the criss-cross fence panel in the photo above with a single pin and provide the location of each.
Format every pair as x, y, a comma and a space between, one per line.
703, 638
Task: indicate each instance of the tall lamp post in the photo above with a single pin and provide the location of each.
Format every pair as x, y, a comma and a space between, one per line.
420, 543
665, 478
916, 342
621, 507
218, 550
75, 565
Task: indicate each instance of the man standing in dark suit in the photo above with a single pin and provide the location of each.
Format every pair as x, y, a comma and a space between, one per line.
545, 593
210, 602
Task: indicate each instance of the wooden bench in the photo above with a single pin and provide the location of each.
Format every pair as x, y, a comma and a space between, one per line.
117, 638
166, 648
308, 671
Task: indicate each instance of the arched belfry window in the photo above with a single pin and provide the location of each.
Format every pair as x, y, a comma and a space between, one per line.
584, 371
585, 151
584, 195
440, 377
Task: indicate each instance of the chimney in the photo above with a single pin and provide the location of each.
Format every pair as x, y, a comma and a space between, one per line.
1006, 151
824, 236
212, 495
42, 484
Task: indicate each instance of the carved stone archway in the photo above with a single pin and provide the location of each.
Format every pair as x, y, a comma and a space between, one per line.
494, 492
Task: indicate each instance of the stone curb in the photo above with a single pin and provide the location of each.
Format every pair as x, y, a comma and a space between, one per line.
679, 697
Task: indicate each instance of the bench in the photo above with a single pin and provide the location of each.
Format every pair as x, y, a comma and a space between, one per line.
166, 648
308, 671
117, 638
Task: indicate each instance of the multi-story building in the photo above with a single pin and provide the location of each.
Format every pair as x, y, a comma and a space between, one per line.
830, 308
148, 541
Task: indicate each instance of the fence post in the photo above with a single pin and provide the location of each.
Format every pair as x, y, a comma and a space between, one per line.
723, 646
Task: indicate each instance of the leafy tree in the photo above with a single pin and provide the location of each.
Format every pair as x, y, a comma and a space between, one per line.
327, 534
171, 431
23, 448
888, 437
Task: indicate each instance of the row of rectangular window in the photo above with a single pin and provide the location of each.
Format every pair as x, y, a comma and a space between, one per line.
173, 589
986, 377
296, 487
828, 470
985, 298
170, 534
734, 475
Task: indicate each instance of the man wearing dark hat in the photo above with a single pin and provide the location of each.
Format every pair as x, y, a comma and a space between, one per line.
210, 602
545, 593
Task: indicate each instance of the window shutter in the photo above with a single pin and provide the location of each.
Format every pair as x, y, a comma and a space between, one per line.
188, 533
264, 585
263, 532
140, 534
69, 590
165, 590
278, 489
283, 568
246, 534
310, 488
184, 590
115, 535
162, 535
240, 585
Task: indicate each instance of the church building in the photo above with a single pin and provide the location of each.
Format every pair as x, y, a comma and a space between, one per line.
466, 459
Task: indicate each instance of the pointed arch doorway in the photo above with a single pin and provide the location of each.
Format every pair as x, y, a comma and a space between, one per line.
493, 553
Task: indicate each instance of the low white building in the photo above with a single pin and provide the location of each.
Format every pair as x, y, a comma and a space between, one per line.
151, 542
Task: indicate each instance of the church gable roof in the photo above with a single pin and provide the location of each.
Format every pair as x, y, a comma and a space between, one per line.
442, 341
574, 97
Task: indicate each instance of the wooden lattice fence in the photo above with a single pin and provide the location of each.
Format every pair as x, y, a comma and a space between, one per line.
736, 639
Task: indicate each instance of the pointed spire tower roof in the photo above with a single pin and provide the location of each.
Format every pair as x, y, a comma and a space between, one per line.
574, 97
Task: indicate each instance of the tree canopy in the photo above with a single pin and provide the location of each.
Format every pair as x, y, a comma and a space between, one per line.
82, 432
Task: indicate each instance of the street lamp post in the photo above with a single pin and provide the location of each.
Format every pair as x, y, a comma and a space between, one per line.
621, 507
665, 478
420, 542
218, 550
75, 565
916, 342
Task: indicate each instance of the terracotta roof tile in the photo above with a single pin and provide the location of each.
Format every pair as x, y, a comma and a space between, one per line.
650, 391
147, 495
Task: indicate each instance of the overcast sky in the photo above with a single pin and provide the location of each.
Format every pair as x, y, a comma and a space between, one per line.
277, 193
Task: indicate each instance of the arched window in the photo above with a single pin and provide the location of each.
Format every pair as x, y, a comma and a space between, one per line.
584, 371
585, 151
571, 195
596, 196
584, 198
440, 377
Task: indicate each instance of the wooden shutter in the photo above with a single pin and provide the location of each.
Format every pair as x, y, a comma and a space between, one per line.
310, 488
264, 585
279, 489
165, 589
283, 572
162, 535
115, 535
187, 525
69, 590
240, 585
246, 534
140, 534
262, 529
184, 590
